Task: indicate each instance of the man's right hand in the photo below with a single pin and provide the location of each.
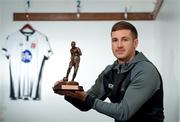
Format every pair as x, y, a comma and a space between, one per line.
57, 86
81, 95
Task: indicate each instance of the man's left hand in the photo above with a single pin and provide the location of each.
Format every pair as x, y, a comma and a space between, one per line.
80, 95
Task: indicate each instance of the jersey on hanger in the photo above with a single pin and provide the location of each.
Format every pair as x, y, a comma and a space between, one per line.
26, 52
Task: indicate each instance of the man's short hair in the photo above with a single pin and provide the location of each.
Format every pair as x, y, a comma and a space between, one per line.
121, 25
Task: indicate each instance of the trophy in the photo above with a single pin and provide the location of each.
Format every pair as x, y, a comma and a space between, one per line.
65, 84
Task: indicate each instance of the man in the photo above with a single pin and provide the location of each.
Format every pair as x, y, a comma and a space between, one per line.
75, 60
132, 83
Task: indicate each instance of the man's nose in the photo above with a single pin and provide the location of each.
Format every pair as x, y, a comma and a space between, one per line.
119, 43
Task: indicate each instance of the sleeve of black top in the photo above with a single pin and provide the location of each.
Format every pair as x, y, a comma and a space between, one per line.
83, 106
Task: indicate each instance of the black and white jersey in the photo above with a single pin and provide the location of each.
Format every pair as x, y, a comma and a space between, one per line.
26, 52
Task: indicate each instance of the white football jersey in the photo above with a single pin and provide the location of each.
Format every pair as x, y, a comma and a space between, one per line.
26, 52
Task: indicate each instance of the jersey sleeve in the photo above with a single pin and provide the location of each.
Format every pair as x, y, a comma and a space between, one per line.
46, 47
49, 50
6, 46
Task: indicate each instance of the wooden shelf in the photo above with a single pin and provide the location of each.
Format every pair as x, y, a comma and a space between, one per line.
88, 16
83, 16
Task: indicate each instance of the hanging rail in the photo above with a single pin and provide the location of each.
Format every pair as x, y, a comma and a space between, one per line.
89, 16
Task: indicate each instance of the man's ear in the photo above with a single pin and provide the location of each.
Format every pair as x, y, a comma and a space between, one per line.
136, 42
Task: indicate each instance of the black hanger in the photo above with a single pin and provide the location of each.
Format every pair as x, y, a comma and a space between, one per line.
27, 29
27, 26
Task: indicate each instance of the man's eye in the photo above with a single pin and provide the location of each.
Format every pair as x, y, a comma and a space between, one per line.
124, 39
114, 40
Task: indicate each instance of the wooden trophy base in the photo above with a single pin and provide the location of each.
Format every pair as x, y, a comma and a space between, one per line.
68, 86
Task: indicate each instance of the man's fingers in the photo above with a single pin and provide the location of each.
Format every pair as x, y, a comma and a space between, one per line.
81, 95
67, 93
56, 83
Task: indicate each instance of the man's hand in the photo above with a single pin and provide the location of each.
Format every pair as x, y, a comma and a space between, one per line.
61, 82
57, 85
80, 95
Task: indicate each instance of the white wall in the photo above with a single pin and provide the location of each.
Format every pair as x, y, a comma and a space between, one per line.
167, 31
1, 74
157, 39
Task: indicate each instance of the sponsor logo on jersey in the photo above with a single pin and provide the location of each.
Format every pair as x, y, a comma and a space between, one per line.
33, 45
26, 56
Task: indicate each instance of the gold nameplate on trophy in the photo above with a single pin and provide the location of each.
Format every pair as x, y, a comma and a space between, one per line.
68, 86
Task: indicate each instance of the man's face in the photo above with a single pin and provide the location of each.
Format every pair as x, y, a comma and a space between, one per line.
123, 45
